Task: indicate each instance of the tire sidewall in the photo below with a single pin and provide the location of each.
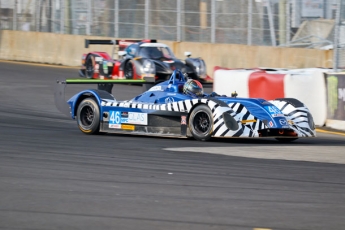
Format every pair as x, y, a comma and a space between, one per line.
201, 136
94, 127
89, 74
132, 67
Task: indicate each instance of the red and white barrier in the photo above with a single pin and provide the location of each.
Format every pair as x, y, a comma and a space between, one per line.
306, 85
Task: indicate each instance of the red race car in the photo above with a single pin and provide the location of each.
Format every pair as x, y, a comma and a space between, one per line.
139, 59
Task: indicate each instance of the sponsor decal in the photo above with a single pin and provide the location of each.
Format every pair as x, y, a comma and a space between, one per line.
336, 97
156, 88
105, 67
247, 121
283, 122
169, 100
117, 118
127, 127
291, 122
117, 77
183, 120
124, 115
147, 75
171, 61
114, 126
277, 115
96, 66
98, 58
271, 124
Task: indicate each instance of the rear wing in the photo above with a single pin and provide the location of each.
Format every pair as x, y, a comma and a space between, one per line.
121, 43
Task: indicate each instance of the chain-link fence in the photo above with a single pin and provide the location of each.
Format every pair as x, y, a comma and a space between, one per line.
292, 23
339, 37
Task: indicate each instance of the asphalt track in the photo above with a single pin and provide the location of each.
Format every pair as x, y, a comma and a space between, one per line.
54, 177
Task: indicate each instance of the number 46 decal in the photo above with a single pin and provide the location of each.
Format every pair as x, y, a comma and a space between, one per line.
115, 117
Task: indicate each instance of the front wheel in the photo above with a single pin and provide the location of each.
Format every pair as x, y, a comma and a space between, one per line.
88, 116
201, 123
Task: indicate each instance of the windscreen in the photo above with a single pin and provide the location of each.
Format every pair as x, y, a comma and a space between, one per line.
156, 52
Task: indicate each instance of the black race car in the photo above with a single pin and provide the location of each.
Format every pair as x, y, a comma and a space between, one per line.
140, 60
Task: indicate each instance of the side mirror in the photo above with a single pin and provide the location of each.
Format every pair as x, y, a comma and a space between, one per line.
122, 53
187, 54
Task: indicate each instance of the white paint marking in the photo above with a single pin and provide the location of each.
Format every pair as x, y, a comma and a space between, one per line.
321, 154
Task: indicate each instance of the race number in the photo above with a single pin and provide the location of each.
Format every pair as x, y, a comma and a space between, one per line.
274, 111
115, 119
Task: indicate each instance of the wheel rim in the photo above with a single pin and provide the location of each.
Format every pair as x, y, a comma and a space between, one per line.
129, 70
87, 116
202, 122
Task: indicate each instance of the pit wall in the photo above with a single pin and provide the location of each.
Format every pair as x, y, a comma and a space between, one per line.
322, 91
65, 49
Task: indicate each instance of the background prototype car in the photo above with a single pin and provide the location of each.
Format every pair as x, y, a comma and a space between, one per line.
139, 59
164, 110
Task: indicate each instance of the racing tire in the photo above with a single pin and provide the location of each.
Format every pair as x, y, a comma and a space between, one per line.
88, 116
201, 123
89, 66
286, 140
129, 70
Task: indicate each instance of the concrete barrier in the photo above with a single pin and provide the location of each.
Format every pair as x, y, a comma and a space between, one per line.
65, 49
306, 85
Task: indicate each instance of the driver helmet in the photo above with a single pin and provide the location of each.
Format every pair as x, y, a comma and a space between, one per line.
193, 88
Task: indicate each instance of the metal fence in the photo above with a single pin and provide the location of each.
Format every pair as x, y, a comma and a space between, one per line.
293, 23
339, 37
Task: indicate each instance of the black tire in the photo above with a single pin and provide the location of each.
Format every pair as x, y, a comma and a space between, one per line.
286, 140
88, 116
129, 70
201, 123
89, 66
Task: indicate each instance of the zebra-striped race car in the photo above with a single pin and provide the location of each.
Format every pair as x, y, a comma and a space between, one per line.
167, 109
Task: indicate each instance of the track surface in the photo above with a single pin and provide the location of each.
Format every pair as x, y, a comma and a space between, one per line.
54, 177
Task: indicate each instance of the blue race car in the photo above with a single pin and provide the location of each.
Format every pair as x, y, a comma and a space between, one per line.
178, 107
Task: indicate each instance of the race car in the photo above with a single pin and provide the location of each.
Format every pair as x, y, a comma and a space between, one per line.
178, 107
139, 59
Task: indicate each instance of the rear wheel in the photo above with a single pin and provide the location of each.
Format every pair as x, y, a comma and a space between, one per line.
88, 116
201, 123
129, 70
90, 66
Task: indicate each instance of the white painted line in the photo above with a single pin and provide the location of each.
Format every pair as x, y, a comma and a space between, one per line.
321, 154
